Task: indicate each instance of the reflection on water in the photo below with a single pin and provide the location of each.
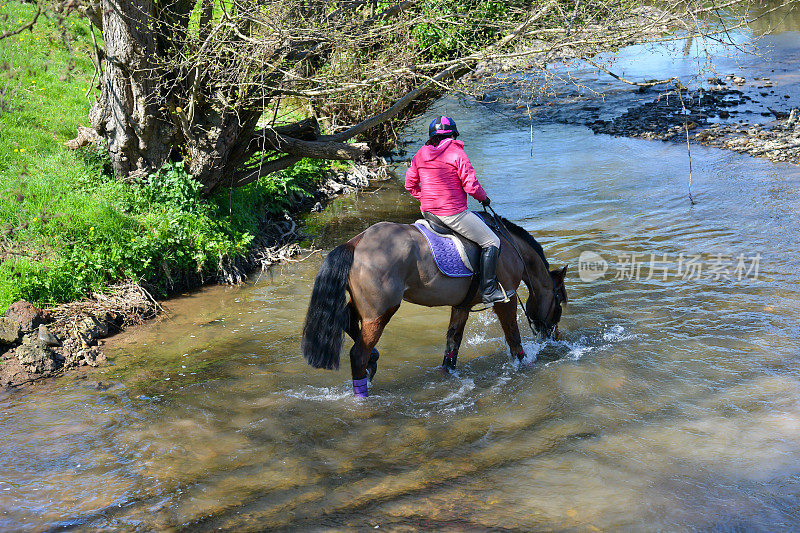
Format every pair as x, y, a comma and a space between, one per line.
667, 405
774, 16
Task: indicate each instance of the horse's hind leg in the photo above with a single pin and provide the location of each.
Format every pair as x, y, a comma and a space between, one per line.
507, 313
455, 332
354, 327
354, 331
363, 351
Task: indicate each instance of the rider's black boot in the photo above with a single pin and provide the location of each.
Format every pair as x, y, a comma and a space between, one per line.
491, 292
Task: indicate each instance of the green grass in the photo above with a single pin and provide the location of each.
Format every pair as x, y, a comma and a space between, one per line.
66, 227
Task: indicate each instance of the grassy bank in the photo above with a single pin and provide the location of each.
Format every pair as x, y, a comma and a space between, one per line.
67, 227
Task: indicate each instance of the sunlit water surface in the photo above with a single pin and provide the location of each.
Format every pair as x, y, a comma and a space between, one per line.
668, 404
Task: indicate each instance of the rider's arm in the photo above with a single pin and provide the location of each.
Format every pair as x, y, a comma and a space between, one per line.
412, 180
468, 180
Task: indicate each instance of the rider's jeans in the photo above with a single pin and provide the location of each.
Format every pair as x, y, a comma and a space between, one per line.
471, 226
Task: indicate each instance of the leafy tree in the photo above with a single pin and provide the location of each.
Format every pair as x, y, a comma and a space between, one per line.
228, 86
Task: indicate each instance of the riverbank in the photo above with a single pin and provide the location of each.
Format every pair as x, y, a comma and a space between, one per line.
40, 343
70, 232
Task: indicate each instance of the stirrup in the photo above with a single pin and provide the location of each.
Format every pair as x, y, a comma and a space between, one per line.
491, 299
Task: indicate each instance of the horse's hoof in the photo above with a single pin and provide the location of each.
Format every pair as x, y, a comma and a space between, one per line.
372, 364
521, 359
449, 363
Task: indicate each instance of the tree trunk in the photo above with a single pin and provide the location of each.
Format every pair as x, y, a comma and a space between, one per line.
216, 144
167, 96
143, 114
131, 113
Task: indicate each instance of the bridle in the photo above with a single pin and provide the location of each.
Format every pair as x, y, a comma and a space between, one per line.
537, 326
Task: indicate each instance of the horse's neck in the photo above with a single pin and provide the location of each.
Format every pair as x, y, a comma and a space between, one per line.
536, 270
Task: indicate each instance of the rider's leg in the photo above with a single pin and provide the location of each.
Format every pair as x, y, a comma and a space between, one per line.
455, 332
475, 229
491, 291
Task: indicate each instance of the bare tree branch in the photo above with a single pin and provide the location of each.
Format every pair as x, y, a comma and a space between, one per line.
649, 83
357, 73
249, 175
327, 148
24, 27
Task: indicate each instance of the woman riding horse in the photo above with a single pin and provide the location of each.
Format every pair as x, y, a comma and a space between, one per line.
388, 263
440, 177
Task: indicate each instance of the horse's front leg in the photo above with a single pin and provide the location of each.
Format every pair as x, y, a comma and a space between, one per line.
507, 313
455, 332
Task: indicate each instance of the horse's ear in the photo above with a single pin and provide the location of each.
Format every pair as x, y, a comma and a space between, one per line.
559, 275
558, 281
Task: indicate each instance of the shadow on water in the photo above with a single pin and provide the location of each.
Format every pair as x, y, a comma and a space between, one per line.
671, 401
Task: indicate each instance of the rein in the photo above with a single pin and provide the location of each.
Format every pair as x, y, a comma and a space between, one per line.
507, 235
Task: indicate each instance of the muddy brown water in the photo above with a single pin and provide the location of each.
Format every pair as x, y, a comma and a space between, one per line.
670, 403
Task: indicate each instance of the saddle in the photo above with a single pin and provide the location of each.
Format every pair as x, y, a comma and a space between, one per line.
455, 256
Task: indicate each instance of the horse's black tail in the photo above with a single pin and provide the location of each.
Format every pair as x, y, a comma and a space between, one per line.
328, 316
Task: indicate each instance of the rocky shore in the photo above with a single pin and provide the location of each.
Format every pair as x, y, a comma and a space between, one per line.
778, 141
37, 344
718, 116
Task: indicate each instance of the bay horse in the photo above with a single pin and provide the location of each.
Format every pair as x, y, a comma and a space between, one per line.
388, 263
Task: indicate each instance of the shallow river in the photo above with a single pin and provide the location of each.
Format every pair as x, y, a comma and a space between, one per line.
671, 402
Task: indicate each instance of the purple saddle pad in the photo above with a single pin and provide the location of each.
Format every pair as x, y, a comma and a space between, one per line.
445, 254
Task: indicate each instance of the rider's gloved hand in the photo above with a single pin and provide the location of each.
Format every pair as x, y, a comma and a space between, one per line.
486, 202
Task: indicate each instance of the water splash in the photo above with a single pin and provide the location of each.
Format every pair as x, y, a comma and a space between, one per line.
617, 333
572, 349
320, 394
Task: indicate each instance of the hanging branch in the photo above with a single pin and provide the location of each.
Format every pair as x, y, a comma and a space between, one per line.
679, 87
649, 83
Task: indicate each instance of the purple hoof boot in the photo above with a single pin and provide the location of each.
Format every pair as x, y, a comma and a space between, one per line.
361, 387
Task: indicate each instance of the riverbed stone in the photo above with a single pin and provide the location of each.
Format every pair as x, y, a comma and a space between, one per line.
47, 338
11, 371
36, 357
92, 328
27, 315
10, 331
334, 187
91, 357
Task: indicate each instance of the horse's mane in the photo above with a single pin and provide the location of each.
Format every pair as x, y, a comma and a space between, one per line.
523, 234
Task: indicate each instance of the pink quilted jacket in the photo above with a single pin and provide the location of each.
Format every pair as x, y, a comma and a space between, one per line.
440, 177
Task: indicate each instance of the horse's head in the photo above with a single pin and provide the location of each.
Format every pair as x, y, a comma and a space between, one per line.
546, 312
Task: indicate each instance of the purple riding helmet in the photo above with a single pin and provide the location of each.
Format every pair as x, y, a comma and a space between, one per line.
442, 126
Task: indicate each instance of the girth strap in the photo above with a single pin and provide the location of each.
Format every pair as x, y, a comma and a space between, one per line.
474, 286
